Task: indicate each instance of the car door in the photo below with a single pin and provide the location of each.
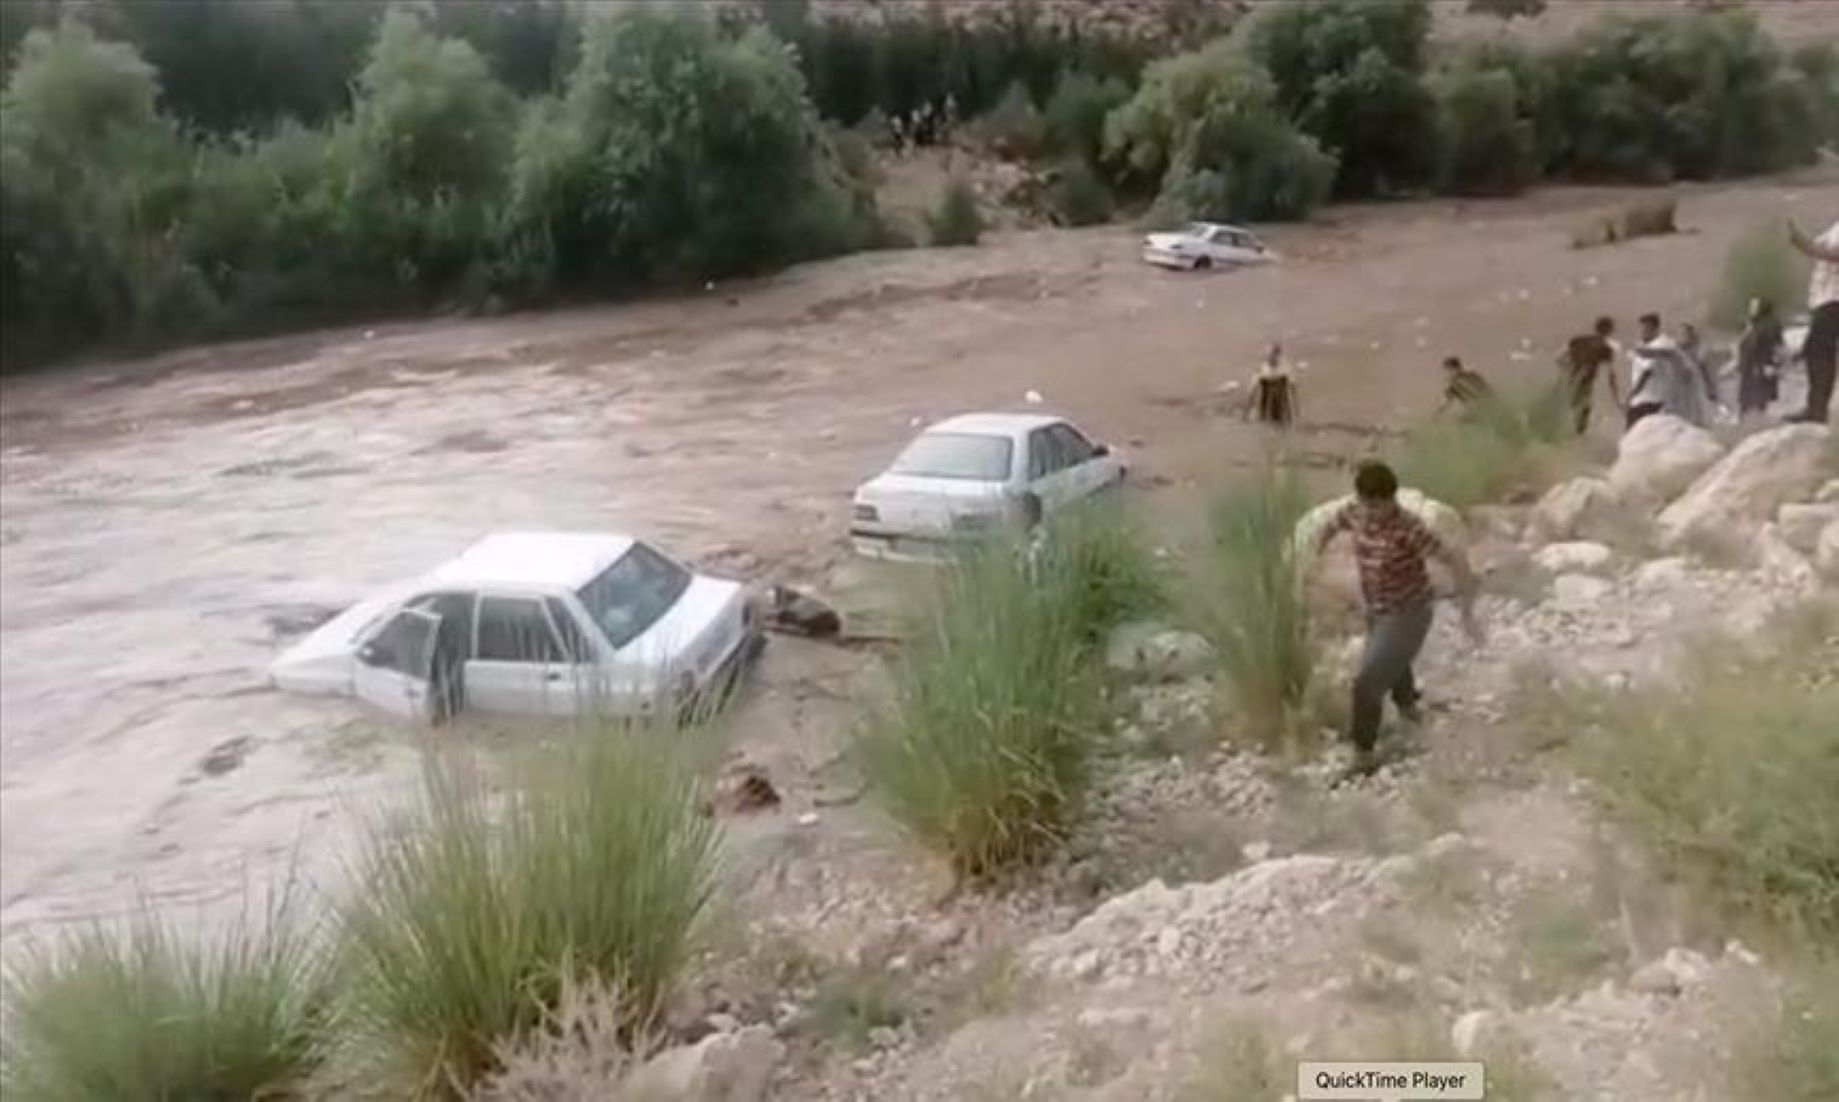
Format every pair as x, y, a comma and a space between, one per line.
395, 663
1087, 471
520, 665
1219, 247
1049, 477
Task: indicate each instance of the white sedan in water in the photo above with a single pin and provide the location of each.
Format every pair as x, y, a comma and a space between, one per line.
1199, 246
968, 475
535, 623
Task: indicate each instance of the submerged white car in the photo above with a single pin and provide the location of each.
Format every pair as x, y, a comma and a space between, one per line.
967, 476
534, 623
1202, 245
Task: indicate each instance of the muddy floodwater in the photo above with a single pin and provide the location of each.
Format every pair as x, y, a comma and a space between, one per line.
167, 525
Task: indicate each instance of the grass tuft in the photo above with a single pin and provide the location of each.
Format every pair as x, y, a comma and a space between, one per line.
956, 221
1099, 563
1251, 603
1760, 264
469, 919
984, 753
1498, 445
146, 1012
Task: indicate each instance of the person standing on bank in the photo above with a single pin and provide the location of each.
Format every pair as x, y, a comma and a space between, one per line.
1585, 357
1392, 549
1758, 359
1657, 371
1821, 350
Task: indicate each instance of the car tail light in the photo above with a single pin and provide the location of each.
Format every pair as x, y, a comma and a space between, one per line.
867, 512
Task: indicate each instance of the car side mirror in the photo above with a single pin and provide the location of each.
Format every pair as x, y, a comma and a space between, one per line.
1102, 450
369, 654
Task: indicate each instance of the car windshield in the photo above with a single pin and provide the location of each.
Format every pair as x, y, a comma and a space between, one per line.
956, 455
1197, 229
633, 593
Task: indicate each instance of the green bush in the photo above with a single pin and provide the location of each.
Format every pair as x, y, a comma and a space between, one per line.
984, 753
1498, 444
1691, 95
1487, 144
469, 918
956, 220
145, 1012
1204, 131
1078, 197
1098, 563
1728, 775
1074, 119
1351, 75
1761, 264
1250, 600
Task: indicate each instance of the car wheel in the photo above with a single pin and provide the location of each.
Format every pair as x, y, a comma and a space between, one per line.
1203, 264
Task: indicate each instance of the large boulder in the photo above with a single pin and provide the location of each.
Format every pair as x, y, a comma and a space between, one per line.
1576, 508
723, 1067
1748, 485
1802, 522
1660, 457
1826, 552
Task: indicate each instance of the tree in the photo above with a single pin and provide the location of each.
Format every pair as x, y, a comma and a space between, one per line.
1488, 147
1350, 72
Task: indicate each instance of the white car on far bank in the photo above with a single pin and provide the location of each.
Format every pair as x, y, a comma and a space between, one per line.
1199, 246
533, 623
966, 476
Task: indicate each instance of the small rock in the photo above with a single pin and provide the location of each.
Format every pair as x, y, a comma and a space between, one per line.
1668, 573
1579, 591
883, 1037
1103, 1019
742, 788
1471, 1032
1153, 652
1574, 557
1087, 965
734, 1067
808, 819
1168, 942
1801, 523
1655, 978
722, 1023
1257, 851
1781, 563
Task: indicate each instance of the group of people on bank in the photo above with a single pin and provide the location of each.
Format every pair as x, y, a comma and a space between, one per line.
1664, 373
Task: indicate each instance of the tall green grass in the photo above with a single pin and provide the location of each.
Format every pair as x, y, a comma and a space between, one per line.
469, 918
1497, 444
1250, 602
1097, 560
984, 752
145, 1011
1730, 775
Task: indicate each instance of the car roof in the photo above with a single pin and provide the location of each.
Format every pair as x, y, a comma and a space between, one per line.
995, 424
1222, 226
534, 560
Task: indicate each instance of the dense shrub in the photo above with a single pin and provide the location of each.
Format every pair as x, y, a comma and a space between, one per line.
1075, 115
145, 1012
1499, 443
1098, 563
984, 753
674, 153
1351, 75
1689, 96
1488, 146
1077, 196
1013, 128
1204, 130
471, 918
956, 220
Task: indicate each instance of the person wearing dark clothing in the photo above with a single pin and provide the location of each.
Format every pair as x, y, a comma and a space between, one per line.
1462, 389
1758, 359
1274, 391
1821, 349
1585, 357
1391, 548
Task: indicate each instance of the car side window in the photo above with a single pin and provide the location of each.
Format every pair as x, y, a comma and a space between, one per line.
515, 629
1074, 448
574, 643
402, 643
1041, 455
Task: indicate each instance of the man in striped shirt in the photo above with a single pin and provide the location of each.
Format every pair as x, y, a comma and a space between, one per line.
1392, 549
